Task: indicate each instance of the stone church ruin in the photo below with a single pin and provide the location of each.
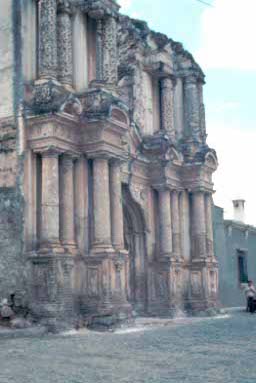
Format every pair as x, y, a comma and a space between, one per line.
105, 173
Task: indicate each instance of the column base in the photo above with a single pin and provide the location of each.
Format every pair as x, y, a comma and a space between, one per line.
102, 248
70, 247
51, 247
104, 301
51, 294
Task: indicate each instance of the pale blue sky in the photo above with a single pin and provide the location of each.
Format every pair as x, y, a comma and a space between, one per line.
221, 38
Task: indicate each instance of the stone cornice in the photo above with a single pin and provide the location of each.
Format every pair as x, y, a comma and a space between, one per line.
239, 225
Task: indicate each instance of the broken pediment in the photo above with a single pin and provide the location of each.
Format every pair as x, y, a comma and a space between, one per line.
119, 115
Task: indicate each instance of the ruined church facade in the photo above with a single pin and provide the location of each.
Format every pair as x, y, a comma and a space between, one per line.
105, 173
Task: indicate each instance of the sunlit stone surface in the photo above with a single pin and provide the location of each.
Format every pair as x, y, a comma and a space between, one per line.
105, 173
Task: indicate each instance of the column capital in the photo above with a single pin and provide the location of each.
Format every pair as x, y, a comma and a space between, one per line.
190, 79
116, 162
168, 82
161, 187
201, 189
67, 162
64, 6
50, 151
176, 190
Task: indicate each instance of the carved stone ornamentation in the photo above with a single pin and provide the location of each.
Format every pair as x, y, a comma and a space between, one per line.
99, 50
110, 50
64, 24
192, 108
110, 201
48, 39
47, 97
167, 108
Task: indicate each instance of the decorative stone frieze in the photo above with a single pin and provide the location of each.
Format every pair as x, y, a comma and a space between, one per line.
48, 39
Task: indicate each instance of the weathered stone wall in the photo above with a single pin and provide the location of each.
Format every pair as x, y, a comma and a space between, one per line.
12, 262
6, 58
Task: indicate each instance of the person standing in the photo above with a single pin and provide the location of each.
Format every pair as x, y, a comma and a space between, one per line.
250, 293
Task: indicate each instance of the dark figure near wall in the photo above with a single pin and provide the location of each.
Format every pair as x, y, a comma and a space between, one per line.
250, 293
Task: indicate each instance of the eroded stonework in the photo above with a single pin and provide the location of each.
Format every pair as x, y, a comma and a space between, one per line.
116, 178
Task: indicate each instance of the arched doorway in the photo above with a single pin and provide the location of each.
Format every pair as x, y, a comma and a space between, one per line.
134, 235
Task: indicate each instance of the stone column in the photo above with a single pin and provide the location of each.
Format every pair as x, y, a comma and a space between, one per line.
202, 110
48, 39
67, 218
116, 205
31, 195
192, 109
101, 204
165, 222
198, 225
209, 224
99, 50
82, 204
50, 200
185, 225
167, 107
175, 223
30, 32
64, 33
110, 50
178, 108
80, 52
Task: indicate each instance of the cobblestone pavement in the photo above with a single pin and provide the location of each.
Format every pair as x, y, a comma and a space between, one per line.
184, 351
